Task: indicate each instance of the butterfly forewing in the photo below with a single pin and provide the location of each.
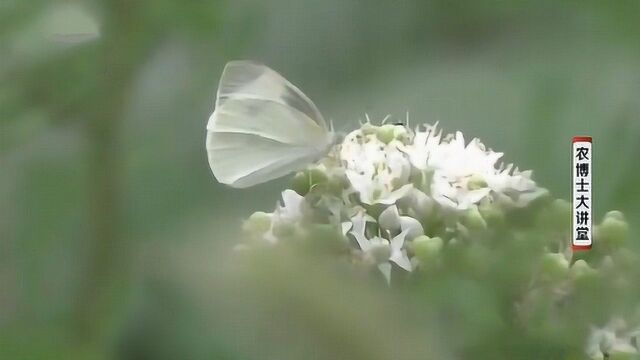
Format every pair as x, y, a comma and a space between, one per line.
246, 79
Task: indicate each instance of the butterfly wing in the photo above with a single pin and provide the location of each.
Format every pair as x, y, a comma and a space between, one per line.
249, 80
262, 128
242, 160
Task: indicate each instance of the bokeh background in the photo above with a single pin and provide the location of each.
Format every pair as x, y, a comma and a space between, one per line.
112, 228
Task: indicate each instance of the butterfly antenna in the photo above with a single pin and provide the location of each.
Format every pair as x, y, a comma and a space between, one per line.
407, 124
366, 116
344, 128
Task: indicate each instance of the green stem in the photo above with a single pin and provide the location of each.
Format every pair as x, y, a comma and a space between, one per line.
106, 269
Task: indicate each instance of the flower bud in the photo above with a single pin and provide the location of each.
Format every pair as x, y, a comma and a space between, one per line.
581, 270
304, 181
401, 134
426, 248
258, 223
476, 182
317, 176
473, 220
554, 266
368, 129
613, 231
385, 133
300, 183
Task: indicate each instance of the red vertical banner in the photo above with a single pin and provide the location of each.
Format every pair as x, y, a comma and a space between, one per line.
582, 201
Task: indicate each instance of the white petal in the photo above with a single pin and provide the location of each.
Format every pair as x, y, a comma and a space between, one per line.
401, 259
346, 226
422, 204
398, 254
412, 226
389, 219
458, 141
361, 239
385, 269
357, 231
395, 195
525, 198
445, 202
362, 184
398, 241
291, 208
474, 196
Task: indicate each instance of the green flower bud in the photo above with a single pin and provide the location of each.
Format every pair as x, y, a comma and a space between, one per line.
473, 220
581, 270
300, 183
317, 176
476, 182
368, 129
305, 180
426, 248
401, 134
258, 223
456, 243
554, 267
385, 133
612, 231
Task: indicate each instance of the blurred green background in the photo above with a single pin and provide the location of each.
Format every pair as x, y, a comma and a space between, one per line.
112, 227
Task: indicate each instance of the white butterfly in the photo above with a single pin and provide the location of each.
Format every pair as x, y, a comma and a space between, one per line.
263, 127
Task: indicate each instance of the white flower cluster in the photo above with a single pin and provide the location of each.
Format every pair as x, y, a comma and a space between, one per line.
615, 338
379, 162
393, 193
409, 202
